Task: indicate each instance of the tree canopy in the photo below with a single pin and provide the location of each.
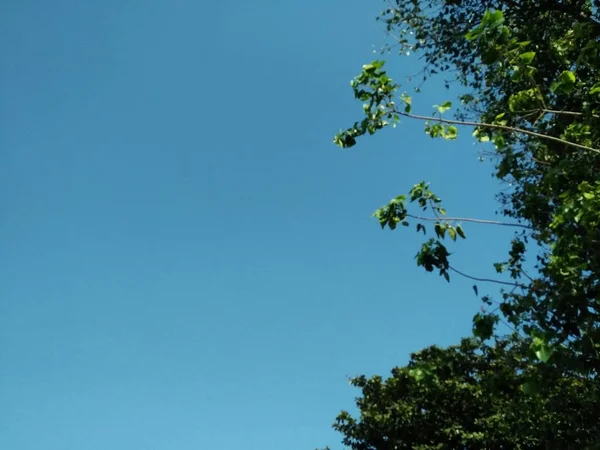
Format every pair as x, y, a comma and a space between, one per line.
529, 73
472, 396
533, 95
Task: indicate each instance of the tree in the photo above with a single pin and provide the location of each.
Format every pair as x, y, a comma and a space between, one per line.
533, 99
472, 396
532, 74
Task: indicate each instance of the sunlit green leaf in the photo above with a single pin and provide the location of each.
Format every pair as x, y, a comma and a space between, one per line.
452, 233
544, 353
451, 132
443, 107
527, 57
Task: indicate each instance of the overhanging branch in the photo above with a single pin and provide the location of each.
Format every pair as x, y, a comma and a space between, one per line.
498, 127
467, 219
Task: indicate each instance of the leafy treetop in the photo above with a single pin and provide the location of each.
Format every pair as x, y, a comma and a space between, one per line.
532, 75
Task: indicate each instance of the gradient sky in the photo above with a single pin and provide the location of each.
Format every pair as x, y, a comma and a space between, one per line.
188, 262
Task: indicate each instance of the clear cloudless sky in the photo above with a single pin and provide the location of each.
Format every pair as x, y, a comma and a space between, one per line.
187, 261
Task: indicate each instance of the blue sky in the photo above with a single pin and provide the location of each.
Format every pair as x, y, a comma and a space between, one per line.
187, 260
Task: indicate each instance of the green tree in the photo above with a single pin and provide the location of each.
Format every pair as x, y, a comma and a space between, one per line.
472, 396
531, 70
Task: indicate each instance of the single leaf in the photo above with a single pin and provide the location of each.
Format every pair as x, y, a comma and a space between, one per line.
544, 353
567, 77
565, 82
452, 233
527, 57
443, 107
407, 103
451, 132
440, 230
530, 387
496, 18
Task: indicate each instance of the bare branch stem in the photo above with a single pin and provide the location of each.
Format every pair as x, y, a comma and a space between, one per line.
486, 280
467, 219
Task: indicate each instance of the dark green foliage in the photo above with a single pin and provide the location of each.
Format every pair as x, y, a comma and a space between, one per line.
473, 396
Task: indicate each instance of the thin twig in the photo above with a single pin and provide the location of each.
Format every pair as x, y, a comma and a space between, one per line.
565, 113
466, 219
568, 113
487, 280
553, 111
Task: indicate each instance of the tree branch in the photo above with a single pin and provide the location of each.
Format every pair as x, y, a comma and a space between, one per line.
499, 127
466, 219
487, 280
567, 113
553, 111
